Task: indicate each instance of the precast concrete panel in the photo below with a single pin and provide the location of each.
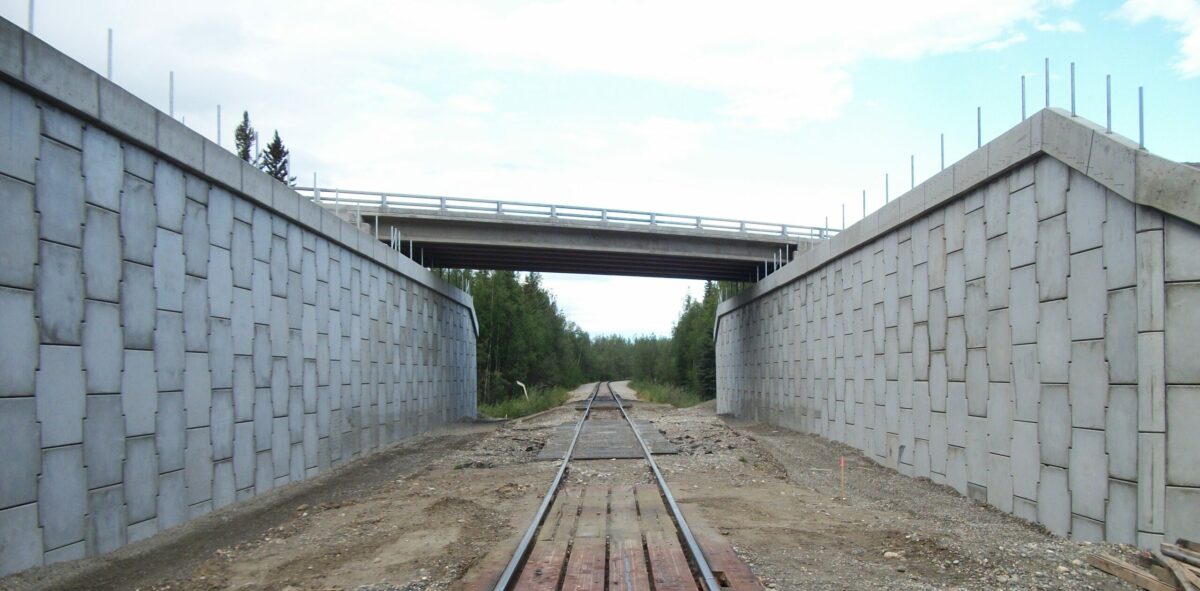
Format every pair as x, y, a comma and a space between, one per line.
1020, 342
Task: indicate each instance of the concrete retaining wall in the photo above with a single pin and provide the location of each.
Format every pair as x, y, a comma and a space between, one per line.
1017, 328
181, 332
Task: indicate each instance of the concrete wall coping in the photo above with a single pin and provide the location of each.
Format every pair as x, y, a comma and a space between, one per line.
1110, 159
37, 67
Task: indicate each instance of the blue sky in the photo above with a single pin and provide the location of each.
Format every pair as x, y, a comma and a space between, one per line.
772, 111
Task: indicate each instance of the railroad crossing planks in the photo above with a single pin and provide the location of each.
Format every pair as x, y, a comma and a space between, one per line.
585, 568
543, 569
668, 565
614, 538
627, 559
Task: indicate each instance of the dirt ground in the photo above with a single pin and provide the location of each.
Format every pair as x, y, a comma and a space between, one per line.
419, 515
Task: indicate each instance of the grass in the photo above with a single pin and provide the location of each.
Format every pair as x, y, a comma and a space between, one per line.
539, 399
666, 394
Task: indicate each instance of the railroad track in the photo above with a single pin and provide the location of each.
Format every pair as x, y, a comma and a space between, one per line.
615, 537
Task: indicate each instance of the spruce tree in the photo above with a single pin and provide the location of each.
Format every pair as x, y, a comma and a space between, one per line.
244, 137
275, 161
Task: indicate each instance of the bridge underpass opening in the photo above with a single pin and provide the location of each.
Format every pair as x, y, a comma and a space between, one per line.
461, 233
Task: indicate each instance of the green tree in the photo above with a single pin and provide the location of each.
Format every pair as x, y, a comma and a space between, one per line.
245, 138
276, 161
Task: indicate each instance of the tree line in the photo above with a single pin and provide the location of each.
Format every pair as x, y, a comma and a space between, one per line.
274, 160
523, 336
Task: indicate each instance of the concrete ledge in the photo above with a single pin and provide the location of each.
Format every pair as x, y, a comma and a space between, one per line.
57, 75
180, 142
127, 114
11, 55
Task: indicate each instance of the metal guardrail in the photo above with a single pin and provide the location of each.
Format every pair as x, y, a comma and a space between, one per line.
570, 212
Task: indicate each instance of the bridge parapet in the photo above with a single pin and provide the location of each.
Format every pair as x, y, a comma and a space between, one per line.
409, 203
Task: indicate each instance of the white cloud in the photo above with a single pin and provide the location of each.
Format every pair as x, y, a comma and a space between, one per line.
1004, 43
1063, 26
1182, 16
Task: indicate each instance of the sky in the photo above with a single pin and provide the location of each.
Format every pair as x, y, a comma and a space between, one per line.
781, 112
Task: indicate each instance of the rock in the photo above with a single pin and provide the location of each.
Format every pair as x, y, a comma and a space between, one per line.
890, 554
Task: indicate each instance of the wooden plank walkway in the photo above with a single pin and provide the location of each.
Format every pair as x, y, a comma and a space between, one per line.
614, 538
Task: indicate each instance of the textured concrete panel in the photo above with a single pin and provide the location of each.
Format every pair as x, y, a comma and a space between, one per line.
1120, 337
19, 347
1022, 227
220, 352
105, 520
222, 424
168, 195
243, 455
60, 293
1121, 432
1120, 516
220, 283
19, 123
1181, 516
999, 346
59, 191
169, 350
139, 394
1183, 324
172, 499
1026, 383
1120, 257
1051, 178
1054, 425
138, 220
224, 493
1088, 384
104, 440
137, 306
60, 399
1088, 473
1054, 342
1085, 212
1053, 264
1086, 295
1152, 383
171, 432
198, 466
103, 168
141, 478
62, 496
1181, 241
976, 314
1054, 501
977, 382
19, 440
20, 524
999, 417
1151, 481
168, 270
19, 227
102, 346
1000, 482
197, 390
1151, 289
1183, 438
102, 254
1026, 466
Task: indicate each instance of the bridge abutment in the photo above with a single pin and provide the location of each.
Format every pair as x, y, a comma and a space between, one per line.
180, 331
1022, 327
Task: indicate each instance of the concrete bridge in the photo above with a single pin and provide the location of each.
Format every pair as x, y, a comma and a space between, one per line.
460, 233
181, 332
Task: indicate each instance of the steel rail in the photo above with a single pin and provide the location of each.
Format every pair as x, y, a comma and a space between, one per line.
522, 551
706, 573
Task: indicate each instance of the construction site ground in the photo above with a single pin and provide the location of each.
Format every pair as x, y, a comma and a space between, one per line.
421, 514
